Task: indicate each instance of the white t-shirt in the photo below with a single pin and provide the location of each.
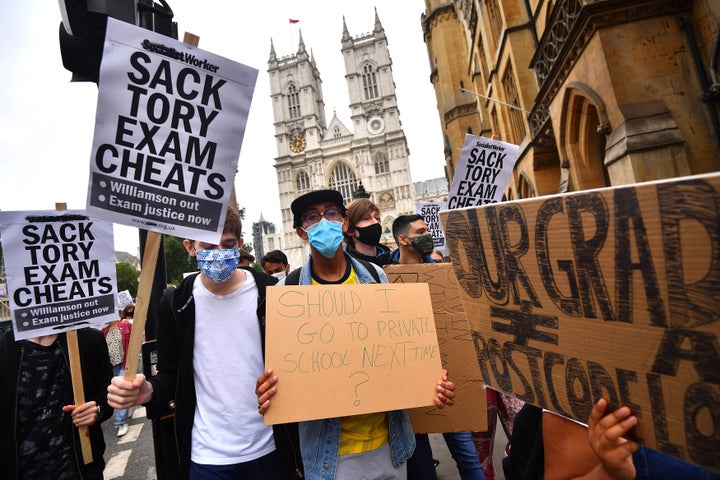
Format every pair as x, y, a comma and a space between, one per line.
226, 364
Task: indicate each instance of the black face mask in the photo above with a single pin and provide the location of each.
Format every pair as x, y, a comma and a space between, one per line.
370, 235
130, 314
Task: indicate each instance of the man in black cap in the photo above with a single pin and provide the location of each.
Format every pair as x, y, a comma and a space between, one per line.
348, 447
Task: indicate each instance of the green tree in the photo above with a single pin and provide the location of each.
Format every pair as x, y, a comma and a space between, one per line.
127, 278
177, 260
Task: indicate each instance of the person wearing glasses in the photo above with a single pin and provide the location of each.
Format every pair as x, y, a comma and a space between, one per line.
210, 351
356, 446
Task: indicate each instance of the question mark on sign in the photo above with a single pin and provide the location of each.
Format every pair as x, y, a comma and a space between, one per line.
357, 385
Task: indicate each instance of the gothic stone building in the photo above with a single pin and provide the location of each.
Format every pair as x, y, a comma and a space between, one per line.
372, 152
596, 93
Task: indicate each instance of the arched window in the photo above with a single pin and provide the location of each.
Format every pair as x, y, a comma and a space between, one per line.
582, 141
302, 182
381, 163
525, 188
293, 97
369, 82
337, 133
343, 180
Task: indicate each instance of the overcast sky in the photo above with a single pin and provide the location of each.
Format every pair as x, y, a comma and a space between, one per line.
47, 123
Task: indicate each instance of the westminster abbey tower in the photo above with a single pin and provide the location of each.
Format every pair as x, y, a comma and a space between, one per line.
370, 156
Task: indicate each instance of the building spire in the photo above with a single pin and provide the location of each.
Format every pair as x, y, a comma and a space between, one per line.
273, 55
346, 40
379, 31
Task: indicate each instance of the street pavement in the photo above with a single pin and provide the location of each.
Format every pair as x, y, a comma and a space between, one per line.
132, 456
447, 470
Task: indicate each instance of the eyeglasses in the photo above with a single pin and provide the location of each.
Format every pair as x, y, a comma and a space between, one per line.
331, 214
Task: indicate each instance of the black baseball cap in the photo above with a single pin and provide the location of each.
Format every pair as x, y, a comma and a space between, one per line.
303, 202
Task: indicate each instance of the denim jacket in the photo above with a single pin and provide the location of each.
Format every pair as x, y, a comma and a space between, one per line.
320, 439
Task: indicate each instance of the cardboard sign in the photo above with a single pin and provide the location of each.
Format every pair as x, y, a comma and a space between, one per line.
124, 299
341, 350
431, 214
613, 293
60, 268
457, 351
169, 125
482, 173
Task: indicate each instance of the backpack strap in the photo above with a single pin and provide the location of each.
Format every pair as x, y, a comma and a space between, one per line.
370, 268
293, 278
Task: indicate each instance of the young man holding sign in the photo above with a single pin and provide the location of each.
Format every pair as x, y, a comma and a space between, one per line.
415, 245
210, 349
355, 446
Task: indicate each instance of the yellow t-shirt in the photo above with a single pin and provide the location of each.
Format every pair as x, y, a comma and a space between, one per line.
361, 433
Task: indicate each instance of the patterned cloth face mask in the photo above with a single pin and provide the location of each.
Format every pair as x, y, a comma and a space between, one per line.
423, 244
218, 265
325, 236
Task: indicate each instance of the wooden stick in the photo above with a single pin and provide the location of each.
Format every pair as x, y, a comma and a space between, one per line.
76, 376
147, 272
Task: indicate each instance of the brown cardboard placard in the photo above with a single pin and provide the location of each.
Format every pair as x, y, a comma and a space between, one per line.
341, 350
612, 292
457, 351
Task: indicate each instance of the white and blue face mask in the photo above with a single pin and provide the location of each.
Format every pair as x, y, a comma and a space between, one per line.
218, 265
325, 236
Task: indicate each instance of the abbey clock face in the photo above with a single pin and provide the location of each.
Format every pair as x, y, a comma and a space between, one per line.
375, 125
297, 143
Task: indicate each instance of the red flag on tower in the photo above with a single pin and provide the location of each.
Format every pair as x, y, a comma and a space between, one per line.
294, 21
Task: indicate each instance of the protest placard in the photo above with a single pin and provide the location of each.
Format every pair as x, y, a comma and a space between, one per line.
341, 350
124, 299
469, 412
430, 212
169, 126
60, 269
612, 292
483, 171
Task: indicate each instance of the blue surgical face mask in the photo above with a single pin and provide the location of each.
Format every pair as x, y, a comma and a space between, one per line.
325, 237
218, 265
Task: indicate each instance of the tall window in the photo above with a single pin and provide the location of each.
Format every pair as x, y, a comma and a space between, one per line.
495, 20
584, 146
337, 133
369, 82
343, 180
293, 97
381, 164
302, 182
517, 126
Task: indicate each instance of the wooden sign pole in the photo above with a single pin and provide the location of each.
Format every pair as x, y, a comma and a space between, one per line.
76, 376
147, 272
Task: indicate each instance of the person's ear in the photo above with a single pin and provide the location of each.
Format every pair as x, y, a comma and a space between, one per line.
301, 233
188, 244
346, 225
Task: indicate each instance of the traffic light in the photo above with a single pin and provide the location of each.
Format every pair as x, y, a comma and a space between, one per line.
82, 30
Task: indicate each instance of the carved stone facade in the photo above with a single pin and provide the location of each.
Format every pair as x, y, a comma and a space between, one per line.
605, 92
372, 152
